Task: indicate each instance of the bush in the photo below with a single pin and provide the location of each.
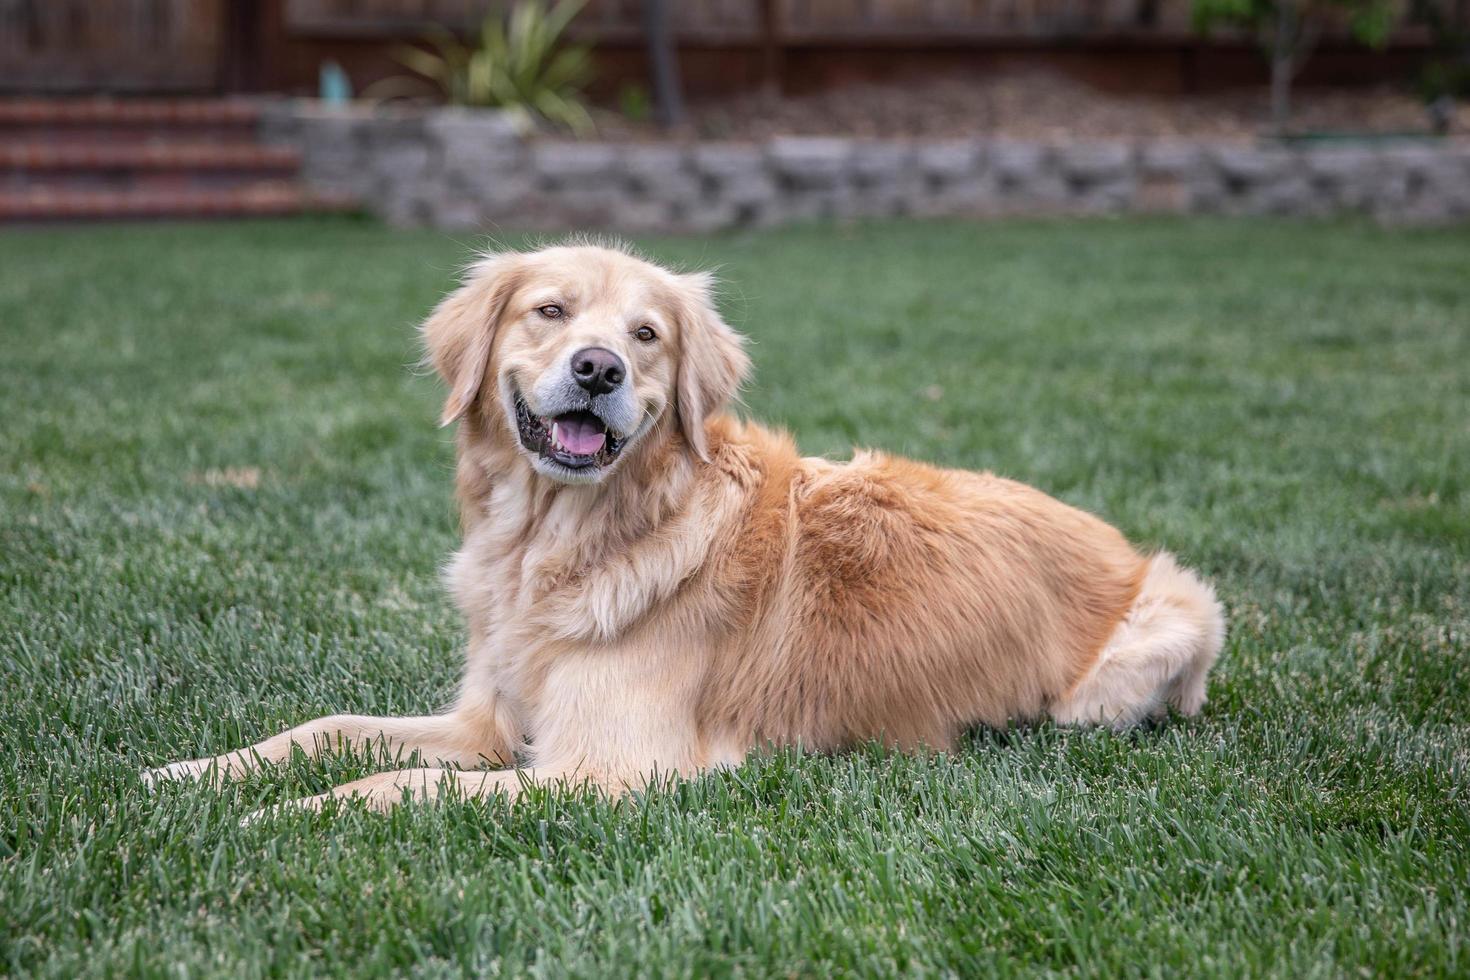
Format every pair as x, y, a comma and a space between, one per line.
1288, 31
519, 63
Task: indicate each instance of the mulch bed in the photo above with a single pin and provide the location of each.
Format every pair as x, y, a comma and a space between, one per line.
1037, 107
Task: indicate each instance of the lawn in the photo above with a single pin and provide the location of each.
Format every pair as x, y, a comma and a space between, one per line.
223, 504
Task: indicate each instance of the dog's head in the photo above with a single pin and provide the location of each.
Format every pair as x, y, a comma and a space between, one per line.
576, 353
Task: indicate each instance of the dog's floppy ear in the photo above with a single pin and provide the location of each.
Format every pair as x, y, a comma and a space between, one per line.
712, 360
458, 334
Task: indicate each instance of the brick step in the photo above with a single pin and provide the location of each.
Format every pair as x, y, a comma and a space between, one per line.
120, 135
99, 166
128, 112
45, 157
127, 120
39, 204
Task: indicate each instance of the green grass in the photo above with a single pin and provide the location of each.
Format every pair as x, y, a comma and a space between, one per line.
1287, 406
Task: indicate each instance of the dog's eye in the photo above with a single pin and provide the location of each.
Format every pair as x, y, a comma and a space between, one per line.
551, 311
645, 333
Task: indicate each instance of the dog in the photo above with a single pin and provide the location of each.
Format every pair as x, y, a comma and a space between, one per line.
654, 586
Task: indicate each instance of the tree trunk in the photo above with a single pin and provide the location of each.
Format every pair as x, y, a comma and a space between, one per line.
1283, 64
1281, 72
668, 97
770, 32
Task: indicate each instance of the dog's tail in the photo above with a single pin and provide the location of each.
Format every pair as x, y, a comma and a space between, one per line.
1159, 655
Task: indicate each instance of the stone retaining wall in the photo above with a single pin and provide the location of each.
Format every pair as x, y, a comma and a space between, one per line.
472, 169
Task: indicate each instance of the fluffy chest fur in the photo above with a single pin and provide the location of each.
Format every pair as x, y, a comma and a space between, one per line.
549, 576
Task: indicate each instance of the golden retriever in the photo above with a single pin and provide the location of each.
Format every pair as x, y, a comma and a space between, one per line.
653, 586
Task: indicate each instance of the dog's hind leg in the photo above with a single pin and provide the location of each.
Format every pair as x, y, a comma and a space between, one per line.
460, 738
1159, 655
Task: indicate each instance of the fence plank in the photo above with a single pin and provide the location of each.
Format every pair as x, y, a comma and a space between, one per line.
738, 21
123, 45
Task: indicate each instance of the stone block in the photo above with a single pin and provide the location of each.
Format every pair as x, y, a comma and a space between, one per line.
1410, 158
663, 172
1171, 159
1200, 198
948, 160
1042, 191
725, 161
875, 161
495, 187
1251, 165
657, 159
470, 138
1161, 194
403, 207
492, 176
401, 163
342, 170
811, 161
394, 129
584, 204
1027, 178
565, 163
1014, 160
968, 196
1113, 196
709, 216
1093, 163
327, 135
649, 214
1339, 163
473, 125
1291, 194
755, 188
1348, 177
1433, 188
456, 212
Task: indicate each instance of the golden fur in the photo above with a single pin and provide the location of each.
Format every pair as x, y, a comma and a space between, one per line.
714, 592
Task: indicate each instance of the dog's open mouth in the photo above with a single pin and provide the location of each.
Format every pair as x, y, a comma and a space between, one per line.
576, 440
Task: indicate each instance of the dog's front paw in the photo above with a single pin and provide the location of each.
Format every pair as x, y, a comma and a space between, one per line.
283, 809
177, 771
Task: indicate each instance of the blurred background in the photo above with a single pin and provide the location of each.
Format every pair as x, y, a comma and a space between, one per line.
224, 507
155, 107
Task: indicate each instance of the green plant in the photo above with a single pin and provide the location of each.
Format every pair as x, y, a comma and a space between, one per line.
634, 102
1445, 77
1288, 31
518, 63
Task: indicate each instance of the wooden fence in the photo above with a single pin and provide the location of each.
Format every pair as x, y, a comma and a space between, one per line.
795, 21
277, 45
138, 45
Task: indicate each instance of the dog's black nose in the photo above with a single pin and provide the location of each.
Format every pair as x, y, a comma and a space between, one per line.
598, 369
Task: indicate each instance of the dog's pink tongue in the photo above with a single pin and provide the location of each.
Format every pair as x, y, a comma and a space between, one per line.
580, 437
